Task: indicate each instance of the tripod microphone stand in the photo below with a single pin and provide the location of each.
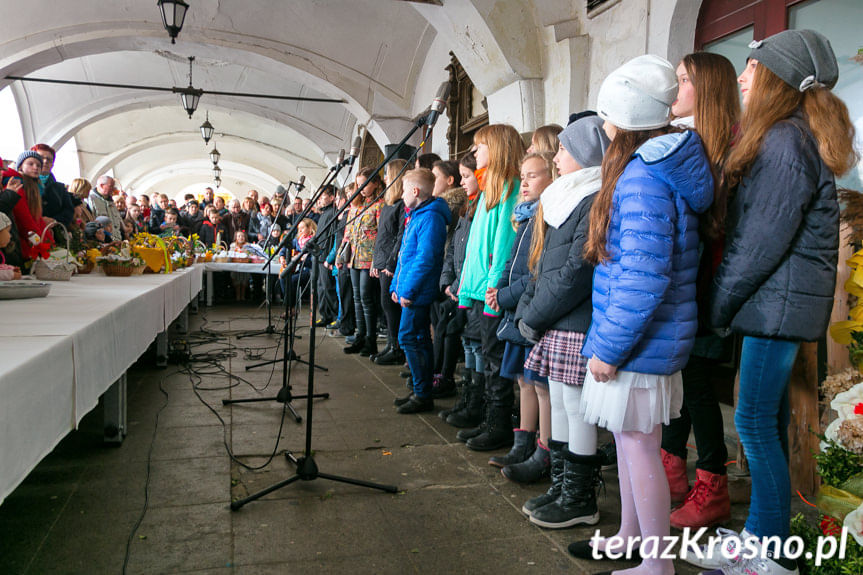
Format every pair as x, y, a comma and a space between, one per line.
270, 329
307, 469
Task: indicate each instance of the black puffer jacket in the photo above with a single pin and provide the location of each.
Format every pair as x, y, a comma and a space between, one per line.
515, 275
57, 201
390, 228
778, 271
326, 234
455, 256
560, 298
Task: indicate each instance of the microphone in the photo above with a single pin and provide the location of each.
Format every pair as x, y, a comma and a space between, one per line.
339, 161
301, 185
355, 151
438, 104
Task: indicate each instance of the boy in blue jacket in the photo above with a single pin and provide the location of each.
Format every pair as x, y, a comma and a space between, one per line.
414, 284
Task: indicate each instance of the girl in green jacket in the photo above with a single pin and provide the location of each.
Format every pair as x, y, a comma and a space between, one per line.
499, 150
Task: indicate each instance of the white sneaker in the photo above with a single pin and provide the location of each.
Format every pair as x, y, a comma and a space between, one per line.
723, 550
755, 566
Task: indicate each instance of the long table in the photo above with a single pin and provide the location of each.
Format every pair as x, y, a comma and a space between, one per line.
60, 353
249, 268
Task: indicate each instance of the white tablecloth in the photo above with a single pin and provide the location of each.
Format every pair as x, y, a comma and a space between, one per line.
60, 353
248, 268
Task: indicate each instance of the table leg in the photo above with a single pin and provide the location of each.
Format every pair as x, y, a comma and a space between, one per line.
183, 320
162, 349
114, 412
209, 288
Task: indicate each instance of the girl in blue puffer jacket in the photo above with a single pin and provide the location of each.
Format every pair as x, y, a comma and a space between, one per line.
643, 238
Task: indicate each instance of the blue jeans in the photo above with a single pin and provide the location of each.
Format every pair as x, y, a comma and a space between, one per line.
762, 419
473, 359
415, 341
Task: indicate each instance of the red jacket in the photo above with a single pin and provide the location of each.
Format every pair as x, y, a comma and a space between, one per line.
25, 221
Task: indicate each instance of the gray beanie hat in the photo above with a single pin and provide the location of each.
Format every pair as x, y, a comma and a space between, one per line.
803, 59
24, 155
585, 140
5, 222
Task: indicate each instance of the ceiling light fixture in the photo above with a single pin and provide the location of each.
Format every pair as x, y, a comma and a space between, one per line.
173, 15
215, 155
190, 96
207, 129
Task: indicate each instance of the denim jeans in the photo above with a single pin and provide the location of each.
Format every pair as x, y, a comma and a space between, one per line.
473, 354
415, 340
762, 419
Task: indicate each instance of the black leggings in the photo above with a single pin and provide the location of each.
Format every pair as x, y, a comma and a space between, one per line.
498, 389
392, 311
365, 309
700, 412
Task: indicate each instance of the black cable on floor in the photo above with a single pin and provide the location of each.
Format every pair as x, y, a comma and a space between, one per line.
147, 476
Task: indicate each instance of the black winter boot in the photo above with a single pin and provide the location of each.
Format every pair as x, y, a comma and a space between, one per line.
523, 447
498, 431
530, 470
577, 502
471, 414
355, 347
463, 391
370, 347
556, 450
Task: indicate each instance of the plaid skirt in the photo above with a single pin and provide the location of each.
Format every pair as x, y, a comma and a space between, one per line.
558, 357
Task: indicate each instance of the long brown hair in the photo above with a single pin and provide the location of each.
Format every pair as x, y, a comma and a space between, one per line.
771, 100
396, 190
33, 197
717, 112
505, 150
616, 158
537, 238
374, 179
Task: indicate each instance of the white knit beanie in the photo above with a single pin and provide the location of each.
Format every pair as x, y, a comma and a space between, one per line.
639, 94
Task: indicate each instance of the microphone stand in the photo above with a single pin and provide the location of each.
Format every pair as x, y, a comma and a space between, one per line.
270, 329
307, 469
284, 395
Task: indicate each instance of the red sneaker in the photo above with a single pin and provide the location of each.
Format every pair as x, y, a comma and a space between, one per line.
675, 471
706, 505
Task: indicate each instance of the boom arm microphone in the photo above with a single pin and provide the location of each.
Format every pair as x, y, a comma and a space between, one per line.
355, 151
301, 185
340, 161
438, 104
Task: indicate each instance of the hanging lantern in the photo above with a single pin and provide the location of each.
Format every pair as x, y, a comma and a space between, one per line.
215, 155
173, 15
217, 171
217, 181
207, 129
189, 96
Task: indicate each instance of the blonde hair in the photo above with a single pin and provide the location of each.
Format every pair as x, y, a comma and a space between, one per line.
80, 188
544, 139
310, 225
505, 151
537, 239
771, 100
423, 178
394, 194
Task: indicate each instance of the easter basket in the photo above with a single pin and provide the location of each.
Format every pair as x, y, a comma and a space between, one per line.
60, 269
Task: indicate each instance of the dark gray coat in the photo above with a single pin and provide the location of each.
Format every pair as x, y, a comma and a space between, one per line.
388, 241
778, 271
455, 255
560, 297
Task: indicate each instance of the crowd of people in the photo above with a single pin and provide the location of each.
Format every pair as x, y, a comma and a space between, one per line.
598, 271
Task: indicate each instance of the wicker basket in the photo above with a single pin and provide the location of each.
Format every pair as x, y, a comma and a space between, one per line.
55, 270
86, 268
118, 270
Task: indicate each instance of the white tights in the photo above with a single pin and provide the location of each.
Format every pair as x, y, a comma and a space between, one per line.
567, 424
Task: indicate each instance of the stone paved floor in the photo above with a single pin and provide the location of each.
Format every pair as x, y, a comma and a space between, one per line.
453, 513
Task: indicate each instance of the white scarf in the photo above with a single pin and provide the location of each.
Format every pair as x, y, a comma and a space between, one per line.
566, 192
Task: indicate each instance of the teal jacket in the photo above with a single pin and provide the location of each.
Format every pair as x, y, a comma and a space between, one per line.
488, 246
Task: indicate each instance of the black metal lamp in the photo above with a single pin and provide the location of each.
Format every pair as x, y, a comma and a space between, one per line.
189, 96
173, 16
217, 171
217, 181
207, 130
215, 155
